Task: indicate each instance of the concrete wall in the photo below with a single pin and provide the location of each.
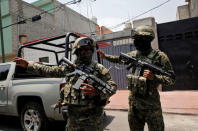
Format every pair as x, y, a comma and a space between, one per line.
151, 22
72, 21
51, 24
127, 33
187, 11
34, 30
182, 12
193, 7
44, 4
114, 36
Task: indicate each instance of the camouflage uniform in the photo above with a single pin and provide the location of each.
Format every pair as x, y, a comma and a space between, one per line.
144, 98
84, 112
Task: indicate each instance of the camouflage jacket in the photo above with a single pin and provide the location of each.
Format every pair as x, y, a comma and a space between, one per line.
70, 95
147, 98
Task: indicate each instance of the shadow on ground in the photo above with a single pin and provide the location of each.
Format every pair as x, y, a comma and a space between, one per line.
10, 123
107, 120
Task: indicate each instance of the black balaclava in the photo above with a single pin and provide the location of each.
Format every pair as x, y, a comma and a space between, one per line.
142, 43
83, 59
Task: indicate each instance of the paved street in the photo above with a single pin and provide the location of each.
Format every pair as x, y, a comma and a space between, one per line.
116, 120
9, 124
180, 113
173, 122
13, 124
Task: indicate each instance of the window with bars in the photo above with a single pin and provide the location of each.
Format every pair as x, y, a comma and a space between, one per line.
44, 59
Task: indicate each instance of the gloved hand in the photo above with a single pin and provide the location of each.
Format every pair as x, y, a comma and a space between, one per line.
59, 104
21, 62
148, 75
88, 90
102, 54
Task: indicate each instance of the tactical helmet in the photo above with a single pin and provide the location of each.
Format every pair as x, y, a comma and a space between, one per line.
81, 42
144, 31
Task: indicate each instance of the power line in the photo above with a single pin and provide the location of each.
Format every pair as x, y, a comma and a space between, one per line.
62, 5
92, 17
116, 26
38, 17
88, 17
40, 22
72, 2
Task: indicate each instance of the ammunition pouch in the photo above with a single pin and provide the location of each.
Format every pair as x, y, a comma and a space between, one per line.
137, 84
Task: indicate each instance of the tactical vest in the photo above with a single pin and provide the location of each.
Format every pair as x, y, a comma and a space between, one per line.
138, 84
150, 58
76, 97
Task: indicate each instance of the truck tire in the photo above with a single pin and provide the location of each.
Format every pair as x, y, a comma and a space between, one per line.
33, 117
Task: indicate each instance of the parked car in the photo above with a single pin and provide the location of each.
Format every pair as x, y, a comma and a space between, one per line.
33, 97
30, 97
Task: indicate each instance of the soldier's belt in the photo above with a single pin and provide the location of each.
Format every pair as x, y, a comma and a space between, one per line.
81, 108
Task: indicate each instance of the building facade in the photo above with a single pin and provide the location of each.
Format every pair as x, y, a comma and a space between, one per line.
53, 22
189, 10
7, 32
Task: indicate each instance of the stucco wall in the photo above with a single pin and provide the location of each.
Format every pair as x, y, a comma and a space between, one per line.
182, 12
51, 24
187, 11
193, 4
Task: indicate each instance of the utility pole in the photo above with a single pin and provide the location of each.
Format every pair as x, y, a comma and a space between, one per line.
2, 42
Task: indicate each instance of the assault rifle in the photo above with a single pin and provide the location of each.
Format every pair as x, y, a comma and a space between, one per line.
139, 64
84, 76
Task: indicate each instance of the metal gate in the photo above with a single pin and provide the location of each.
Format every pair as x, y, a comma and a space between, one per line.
179, 40
114, 47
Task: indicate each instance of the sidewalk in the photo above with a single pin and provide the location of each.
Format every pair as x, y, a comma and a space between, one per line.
181, 102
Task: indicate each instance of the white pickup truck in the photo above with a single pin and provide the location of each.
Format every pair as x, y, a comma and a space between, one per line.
31, 97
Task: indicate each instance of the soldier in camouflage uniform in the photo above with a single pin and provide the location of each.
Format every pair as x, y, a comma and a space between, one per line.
85, 106
144, 99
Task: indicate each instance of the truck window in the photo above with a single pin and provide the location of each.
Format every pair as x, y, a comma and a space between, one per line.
20, 73
44, 59
4, 69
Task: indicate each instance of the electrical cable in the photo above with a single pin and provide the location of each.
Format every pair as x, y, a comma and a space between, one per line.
116, 26
40, 22
36, 17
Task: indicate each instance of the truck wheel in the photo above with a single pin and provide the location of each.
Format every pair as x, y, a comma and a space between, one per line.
33, 117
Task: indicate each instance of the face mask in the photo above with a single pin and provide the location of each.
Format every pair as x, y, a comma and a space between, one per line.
142, 44
85, 58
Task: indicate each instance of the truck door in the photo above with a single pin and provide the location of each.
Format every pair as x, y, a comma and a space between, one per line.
5, 76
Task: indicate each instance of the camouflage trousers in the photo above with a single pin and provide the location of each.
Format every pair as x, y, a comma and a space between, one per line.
83, 119
137, 119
